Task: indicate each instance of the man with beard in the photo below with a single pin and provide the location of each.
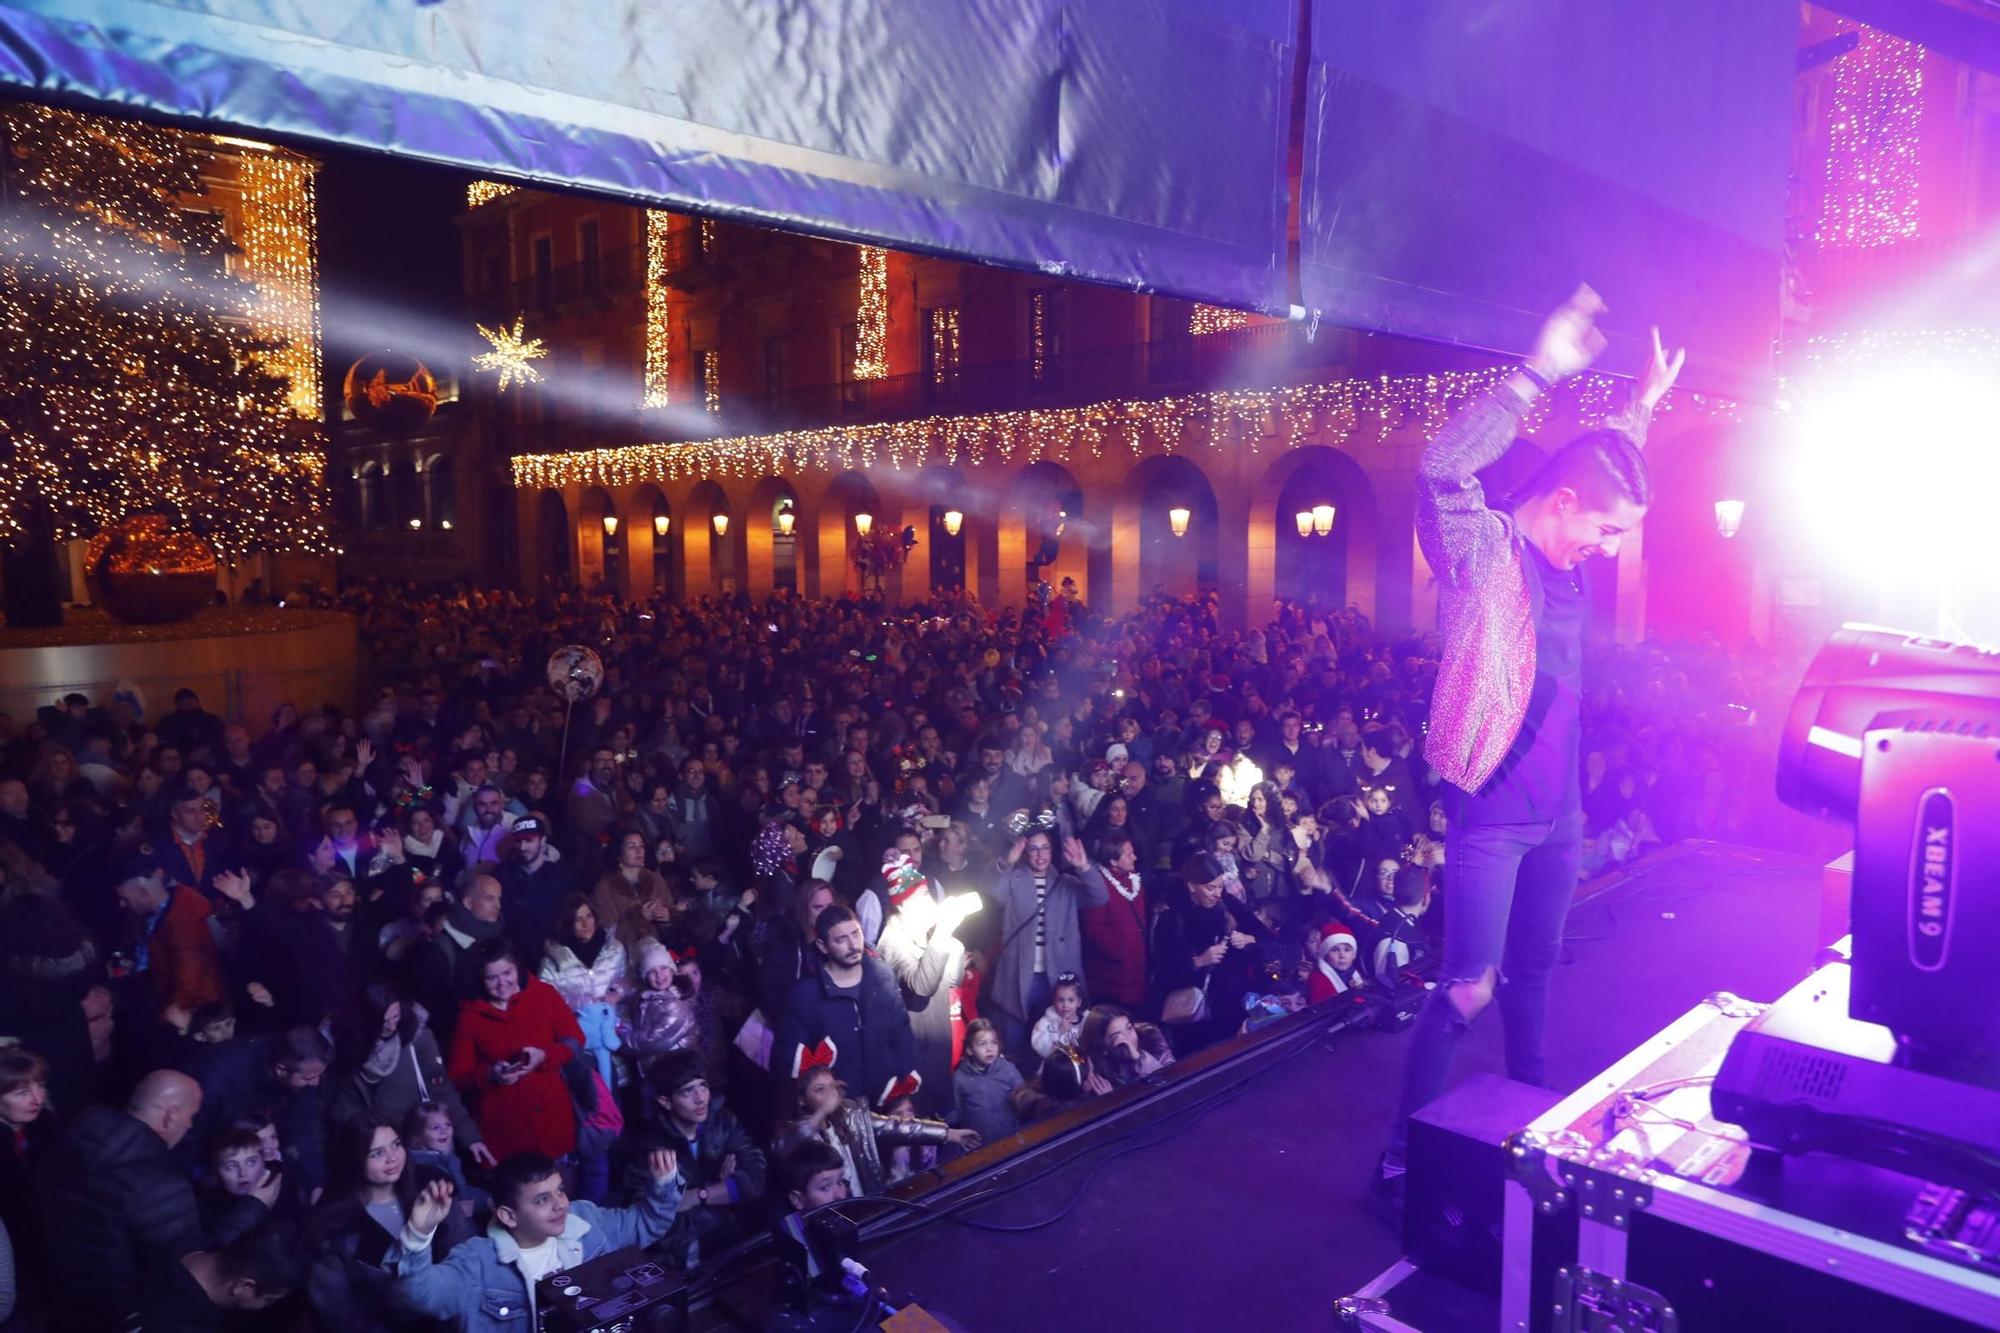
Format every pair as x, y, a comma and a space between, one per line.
536, 879
854, 1003
443, 974
593, 801
486, 823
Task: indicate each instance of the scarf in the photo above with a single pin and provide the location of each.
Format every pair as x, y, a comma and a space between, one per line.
382, 1059
468, 928
586, 951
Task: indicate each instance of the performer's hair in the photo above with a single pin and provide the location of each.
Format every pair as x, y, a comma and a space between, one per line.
1601, 466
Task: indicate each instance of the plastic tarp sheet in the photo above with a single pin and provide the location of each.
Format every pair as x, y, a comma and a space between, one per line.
1135, 142
1468, 162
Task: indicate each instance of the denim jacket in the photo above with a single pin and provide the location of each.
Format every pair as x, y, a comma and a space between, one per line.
480, 1289
1485, 616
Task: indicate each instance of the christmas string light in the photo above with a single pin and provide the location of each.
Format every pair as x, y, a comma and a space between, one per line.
1330, 412
485, 192
1038, 333
1216, 319
871, 316
711, 380
280, 252
944, 344
138, 371
512, 354
659, 328
1871, 161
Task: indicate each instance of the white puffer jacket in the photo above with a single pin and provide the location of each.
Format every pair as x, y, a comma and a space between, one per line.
580, 985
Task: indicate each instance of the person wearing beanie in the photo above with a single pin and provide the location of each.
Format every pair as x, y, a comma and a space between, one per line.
1337, 964
663, 1019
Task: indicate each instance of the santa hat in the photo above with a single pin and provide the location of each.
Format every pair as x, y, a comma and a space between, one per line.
898, 1088
808, 1058
1330, 935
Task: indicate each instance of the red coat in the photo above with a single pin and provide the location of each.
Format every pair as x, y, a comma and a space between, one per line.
535, 1114
1114, 947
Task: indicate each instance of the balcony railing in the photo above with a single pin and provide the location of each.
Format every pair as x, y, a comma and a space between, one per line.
1254, 357
586, 282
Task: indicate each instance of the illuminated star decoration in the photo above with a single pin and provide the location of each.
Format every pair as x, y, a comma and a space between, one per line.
511, 353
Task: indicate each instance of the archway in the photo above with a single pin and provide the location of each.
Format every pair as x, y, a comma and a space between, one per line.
947, 518
771, 536
650, 522
1046, 535
599, 541
1334, 568
441, 485
374, 484
710, 536
849, 496
1161, 495
552, 523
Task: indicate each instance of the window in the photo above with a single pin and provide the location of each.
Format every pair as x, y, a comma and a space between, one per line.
941, 351
708, 364
543, 253
777, 366
850, 348
1048, 334
590, 255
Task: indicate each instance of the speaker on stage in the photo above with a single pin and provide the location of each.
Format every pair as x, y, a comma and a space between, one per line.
1453, 1198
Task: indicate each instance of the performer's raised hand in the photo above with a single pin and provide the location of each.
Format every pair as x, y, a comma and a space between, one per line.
1569, 340
1661, 371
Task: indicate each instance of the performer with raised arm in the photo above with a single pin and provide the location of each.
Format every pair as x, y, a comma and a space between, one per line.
1505, 717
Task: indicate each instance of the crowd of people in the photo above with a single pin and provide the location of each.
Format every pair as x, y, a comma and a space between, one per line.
385, 1014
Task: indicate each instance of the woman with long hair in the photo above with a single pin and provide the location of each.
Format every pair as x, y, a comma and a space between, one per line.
630, 901
513, 1037
386, 1063
354, 1237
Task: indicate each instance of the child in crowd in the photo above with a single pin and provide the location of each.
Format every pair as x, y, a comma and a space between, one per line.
662, 1018
983, 1086
814, 1287
826, 1113
1336, 964
427, 1134
1062, 1021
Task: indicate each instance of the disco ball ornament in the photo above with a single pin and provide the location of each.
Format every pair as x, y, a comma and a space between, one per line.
390, 392
575, 672
146, 572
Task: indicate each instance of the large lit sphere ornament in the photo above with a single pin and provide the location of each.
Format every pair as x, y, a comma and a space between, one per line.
575, 672
390, 392
145, 572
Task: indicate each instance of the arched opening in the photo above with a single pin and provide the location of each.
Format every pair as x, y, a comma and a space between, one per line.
651, 545
771, 537
553, 529
406, 497
442, 475
1175, 521
374, 498
1045, 533
1335, 568
600, 540
710, 537
946, 517
851, 503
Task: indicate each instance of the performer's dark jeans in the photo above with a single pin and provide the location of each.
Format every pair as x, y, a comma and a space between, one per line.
1511, 886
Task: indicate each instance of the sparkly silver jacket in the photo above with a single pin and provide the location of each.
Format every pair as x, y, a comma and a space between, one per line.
1485, 615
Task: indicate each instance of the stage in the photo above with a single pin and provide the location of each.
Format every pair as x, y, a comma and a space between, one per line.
1244, 1206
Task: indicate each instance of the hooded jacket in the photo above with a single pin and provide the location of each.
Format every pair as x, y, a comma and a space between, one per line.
1486, 615
480, 1287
